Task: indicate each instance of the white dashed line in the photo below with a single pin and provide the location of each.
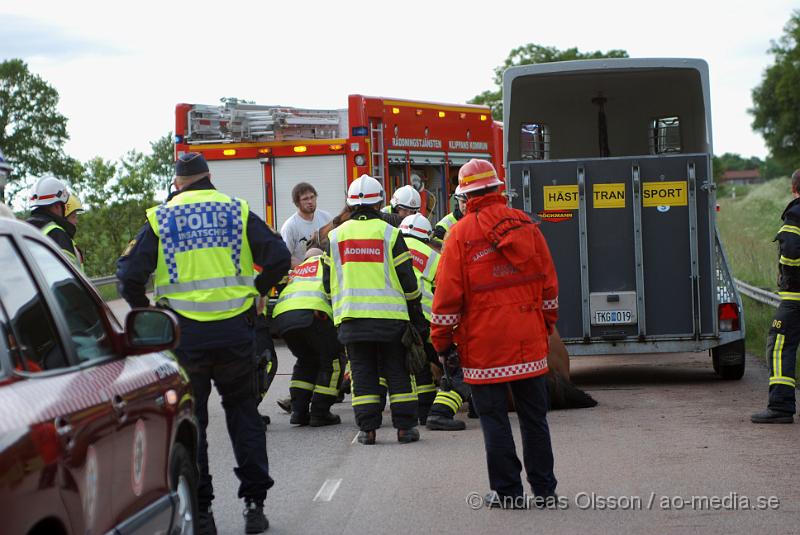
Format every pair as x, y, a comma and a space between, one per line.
327, 490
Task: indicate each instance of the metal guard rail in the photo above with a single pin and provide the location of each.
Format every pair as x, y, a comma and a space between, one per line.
759, 294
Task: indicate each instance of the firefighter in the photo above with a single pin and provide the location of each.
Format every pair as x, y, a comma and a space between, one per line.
497, 300
72, 210
404, 202
48, 201
302, 316
784, 334
202, 245
446, 223
416, 230
369, 275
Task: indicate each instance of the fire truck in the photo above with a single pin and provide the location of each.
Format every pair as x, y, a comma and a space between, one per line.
259, 153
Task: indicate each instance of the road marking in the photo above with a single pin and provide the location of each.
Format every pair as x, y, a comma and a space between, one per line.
355, 438
327, 490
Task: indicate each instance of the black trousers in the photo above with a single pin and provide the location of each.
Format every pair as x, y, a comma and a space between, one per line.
448, 401
233, 370
317, 373
782, 342
531, 401
366, 358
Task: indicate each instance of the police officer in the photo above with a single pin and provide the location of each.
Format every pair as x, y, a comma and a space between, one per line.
48, 201
784, 335
202, 245
303, 318
446, 223
370, 278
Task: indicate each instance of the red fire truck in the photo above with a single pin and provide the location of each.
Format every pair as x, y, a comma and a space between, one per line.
258, 153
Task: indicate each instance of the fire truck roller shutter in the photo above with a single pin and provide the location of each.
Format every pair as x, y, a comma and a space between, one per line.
243, 179
326, 173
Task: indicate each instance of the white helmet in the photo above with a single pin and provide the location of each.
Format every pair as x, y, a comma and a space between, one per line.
416, 225
459, 194
406, 197
364, 190
49, 190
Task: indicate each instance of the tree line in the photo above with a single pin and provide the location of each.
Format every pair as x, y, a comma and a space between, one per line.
116, 193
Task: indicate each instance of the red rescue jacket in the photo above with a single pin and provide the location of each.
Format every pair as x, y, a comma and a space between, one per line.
496, 294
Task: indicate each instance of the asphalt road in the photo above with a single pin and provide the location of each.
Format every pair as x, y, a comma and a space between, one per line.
669, 449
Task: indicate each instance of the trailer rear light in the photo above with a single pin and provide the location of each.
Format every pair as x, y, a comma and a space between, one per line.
335, 147
728, 317
483, 117
441, 114
360, 160
229, 152
264, 151
300, 148
395, 110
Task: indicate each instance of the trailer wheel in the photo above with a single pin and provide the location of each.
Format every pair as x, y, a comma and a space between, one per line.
728, 360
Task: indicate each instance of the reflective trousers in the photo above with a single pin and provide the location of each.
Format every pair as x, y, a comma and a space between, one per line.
366, 359
531, 401
233, 370
317, 373
782, 342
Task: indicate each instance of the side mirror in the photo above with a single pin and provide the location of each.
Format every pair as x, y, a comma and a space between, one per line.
149, 330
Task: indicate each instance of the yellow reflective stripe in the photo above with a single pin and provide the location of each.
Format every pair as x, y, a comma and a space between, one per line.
326, 390
776, 354
383, 382
365, 399
790, 228
789, 296
424, 389
399, 259
485, 174
449, 399
331, 389
402, 398
783, 381
302, 385
790, 261
413, 295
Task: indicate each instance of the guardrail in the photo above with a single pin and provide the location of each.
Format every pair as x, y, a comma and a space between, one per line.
759, 294
103, 281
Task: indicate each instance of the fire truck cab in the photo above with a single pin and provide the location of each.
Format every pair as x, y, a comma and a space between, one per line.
259, 153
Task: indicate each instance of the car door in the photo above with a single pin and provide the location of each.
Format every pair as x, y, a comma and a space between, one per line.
133, 390
69, 453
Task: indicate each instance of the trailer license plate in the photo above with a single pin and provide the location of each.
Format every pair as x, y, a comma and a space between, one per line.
605, 317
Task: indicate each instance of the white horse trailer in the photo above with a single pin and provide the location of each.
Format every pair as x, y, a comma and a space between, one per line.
614, 158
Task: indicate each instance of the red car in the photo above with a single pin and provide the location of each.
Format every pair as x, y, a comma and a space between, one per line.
97, 432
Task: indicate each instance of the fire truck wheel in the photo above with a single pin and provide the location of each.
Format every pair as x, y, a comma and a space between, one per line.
728, 360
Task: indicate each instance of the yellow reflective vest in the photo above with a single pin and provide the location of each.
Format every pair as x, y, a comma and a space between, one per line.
205, 267
304, 290
426, 262
447, 222
74, 258
364, 283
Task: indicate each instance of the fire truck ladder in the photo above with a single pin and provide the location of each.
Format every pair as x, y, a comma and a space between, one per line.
376, 141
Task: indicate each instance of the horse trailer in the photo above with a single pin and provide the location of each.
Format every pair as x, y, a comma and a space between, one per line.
613, 157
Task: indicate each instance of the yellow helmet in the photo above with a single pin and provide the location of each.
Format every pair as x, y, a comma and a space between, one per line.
73, 205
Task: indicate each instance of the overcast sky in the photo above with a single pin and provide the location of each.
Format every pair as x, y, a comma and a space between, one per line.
120, 67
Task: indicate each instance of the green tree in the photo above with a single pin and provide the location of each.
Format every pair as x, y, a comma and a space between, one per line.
32, 131
530, 54
776, 101
160, 164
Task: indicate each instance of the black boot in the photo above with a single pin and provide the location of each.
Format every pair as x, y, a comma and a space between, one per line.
300, 418
366, 437
770, 416
205, 523
327, 418
406, 436
443, 423
254, 519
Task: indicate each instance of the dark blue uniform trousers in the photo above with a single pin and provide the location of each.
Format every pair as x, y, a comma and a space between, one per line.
531, 401
233, 370
782, 343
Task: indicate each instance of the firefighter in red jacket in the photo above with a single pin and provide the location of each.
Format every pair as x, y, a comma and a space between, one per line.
497, 300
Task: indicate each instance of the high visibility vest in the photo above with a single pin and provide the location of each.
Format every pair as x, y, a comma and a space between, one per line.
205, 267
304, 290
447, 222
75, 258
426, 262
364, 283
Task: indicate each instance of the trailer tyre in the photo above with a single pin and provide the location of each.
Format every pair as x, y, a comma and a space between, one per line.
728, 360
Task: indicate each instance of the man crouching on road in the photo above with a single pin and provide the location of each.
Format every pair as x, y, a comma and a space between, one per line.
497, 301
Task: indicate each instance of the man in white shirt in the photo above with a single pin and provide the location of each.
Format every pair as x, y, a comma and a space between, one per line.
300, 228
